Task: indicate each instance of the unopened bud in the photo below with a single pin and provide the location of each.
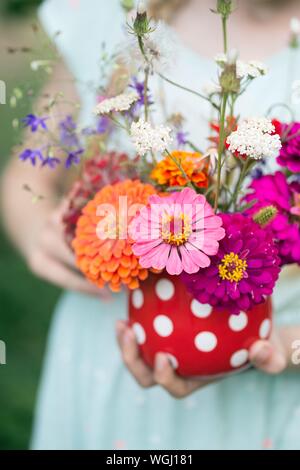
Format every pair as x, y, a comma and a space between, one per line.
229, 81
141, 23
265, 215
224, 7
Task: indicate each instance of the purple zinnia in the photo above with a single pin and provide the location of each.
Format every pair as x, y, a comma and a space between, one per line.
275, 190
243, 272
34, 122
289, 156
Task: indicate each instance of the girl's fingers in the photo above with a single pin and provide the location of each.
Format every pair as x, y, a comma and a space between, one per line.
166, 376
266, 357
55, 246
131, 357
53, 271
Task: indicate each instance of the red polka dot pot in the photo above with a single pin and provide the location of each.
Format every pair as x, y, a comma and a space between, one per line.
200, 340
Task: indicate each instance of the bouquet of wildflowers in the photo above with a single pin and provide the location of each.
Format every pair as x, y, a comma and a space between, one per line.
213, 216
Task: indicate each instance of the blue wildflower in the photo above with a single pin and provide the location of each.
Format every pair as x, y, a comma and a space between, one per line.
103, 125
68, 136
73, 158
33, 121
139, 87
31, 155
181, 138
51, 162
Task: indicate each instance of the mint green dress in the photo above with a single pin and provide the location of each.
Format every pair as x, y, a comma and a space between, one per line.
87, 398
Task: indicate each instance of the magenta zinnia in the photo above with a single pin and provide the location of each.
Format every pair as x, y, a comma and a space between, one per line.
275, 190
289, 156
244, 270
179, 232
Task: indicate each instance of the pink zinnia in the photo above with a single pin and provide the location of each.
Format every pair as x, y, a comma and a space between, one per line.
275, 190
244, 270
179, 232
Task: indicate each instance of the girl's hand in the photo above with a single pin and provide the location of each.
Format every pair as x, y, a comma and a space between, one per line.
52, 259
269, 356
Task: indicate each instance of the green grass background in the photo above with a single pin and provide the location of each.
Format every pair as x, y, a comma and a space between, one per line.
26, 303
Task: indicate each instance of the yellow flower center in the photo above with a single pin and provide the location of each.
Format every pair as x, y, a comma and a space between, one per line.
176, 230
232, 268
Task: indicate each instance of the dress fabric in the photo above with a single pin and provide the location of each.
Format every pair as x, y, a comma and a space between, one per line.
87, 398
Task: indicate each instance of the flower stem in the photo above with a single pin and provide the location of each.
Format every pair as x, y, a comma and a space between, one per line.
179, 166
146, 93
220, 148
224, 28
248, 164
188, 90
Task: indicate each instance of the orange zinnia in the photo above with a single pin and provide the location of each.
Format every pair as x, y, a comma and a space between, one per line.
110, 260
167, 172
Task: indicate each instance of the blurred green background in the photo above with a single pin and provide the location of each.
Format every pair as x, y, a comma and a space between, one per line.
26, 303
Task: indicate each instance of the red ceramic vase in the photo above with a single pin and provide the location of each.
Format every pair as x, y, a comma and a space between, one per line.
200, 340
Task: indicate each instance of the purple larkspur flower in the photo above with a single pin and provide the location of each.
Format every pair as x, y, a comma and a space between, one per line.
182, 138
51, 162
275, 190
139, 87
243, 272
289, 156
68, 136
32, 155
103, 125
34, 122
73, 158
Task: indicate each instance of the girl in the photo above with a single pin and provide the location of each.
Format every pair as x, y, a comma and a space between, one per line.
88, 400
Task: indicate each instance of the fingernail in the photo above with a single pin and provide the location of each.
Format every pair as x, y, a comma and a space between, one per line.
119, 328
160, 362
263, 353
128, 337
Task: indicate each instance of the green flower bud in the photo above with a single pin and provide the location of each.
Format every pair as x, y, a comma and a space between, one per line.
224, 8
141, 25
229, 81
265, 215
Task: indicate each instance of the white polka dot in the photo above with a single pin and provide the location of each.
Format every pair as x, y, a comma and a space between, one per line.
164, 289
137, 298
239, 358
139, 333
265, 328
163, 325
206, 341
173, 361
238, 322
200, 310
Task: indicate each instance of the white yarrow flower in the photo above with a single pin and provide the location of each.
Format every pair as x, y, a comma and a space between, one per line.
119, 103
221, 59
251, 69
253, 138
146, 137
210, 88
295, 26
